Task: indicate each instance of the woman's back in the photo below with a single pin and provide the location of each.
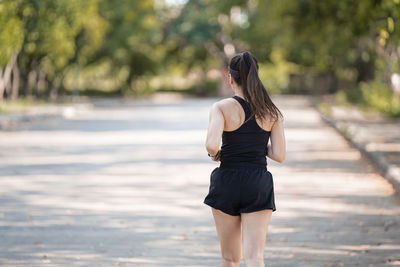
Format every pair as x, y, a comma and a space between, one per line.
234, 115
244, 140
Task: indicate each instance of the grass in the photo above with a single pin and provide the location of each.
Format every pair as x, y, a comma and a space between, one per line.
345, 132
19, 105
325, 108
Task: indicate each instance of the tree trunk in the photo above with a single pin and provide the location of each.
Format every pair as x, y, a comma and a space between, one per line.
6, 75
365, 70
51, 92
41, 82
15, 83
60, 86
25, 81
386, 54
7, 89
1, 80
32, 77
201, 88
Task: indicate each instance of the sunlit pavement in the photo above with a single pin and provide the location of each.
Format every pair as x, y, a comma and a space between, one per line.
124, 183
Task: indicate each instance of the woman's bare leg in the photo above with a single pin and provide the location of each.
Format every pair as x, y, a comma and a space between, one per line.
230, 237
255, 227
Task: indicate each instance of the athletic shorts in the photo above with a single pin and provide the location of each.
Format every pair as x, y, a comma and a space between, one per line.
236, 190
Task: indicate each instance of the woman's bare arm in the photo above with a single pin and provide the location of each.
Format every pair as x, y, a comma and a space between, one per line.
215, 128
277, 149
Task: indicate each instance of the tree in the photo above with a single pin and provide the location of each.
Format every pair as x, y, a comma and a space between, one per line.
130, 44
11, 37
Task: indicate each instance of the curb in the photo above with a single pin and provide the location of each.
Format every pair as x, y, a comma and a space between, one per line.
350, 132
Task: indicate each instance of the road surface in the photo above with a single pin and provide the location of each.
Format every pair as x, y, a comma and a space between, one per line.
123, 185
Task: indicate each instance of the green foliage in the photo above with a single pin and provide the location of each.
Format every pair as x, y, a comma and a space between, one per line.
11, 31
48, 37
374, 95
353, 95
63, 42
341, 98
378, 95
275, 75
192, 36
132, 40
327, 36
51, 29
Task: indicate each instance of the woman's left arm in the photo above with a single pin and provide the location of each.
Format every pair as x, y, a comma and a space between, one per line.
277, 149
215, 128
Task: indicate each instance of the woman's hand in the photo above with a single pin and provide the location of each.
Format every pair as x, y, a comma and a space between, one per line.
216, 157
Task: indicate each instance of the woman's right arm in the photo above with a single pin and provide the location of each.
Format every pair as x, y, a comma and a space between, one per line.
277, 149
215, 129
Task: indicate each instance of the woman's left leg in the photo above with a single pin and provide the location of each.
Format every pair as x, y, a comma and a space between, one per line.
254, 231
230, 237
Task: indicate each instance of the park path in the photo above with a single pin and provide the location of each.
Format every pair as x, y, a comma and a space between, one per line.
123, 185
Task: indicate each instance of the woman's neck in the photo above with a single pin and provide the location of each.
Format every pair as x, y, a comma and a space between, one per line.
238, 92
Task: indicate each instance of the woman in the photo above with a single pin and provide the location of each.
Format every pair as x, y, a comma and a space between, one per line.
241, 193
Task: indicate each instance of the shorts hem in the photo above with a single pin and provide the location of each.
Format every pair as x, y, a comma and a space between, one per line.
259, 209
221, 209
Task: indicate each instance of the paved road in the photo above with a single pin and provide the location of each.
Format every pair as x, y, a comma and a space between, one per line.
123, 185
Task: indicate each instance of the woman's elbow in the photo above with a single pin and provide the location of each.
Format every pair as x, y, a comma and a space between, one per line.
280, 158
212, 149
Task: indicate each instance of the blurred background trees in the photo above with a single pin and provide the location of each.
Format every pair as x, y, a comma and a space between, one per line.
59, 48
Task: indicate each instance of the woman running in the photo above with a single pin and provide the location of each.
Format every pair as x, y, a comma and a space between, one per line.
241, 192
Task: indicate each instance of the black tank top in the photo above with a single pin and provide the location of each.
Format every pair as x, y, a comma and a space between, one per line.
247, 145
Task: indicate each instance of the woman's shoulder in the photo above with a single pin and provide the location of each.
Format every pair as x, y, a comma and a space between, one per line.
225, 106
222, 106
224, 102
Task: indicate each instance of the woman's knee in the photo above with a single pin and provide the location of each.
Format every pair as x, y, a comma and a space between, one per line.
231, 262
231, 259
254, 261
253, 258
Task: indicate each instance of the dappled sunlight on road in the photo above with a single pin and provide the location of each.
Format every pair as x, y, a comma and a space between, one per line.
124, 185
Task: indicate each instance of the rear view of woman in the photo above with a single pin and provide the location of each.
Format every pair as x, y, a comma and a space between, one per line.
241, 192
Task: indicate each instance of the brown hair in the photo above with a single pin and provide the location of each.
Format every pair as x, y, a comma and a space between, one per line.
244, 69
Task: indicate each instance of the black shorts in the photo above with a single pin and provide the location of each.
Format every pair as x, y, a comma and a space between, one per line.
236, 190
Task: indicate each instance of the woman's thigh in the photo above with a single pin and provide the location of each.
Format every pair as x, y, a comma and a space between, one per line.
229, 234
255, 227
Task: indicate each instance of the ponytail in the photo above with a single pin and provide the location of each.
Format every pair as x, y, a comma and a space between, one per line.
244, 70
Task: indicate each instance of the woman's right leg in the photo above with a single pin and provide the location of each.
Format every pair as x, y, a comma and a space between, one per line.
230, 237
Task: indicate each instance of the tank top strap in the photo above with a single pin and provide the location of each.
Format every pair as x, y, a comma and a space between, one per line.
244, 105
